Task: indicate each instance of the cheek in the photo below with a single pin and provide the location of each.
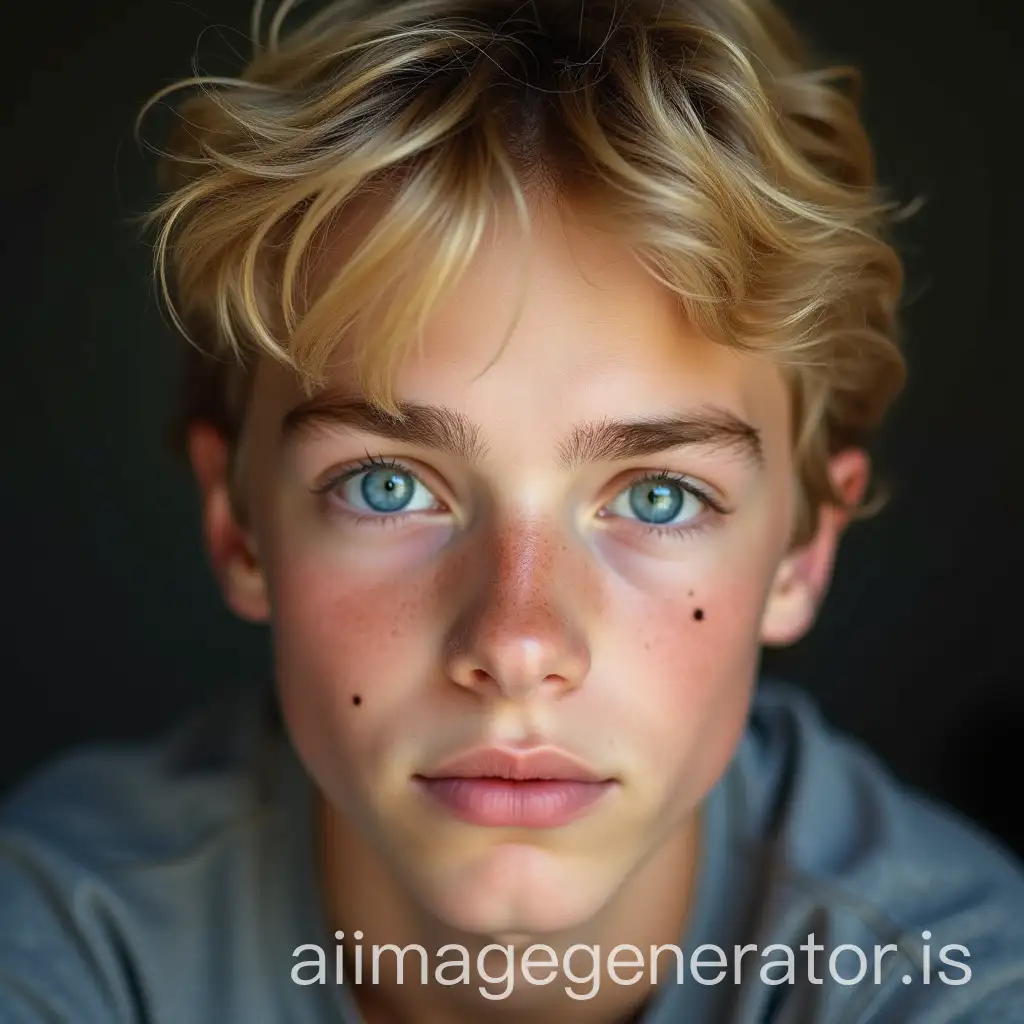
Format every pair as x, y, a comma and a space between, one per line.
682, 660
696, 645
351, 654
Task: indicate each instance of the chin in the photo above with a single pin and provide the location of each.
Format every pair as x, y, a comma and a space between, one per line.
514, 889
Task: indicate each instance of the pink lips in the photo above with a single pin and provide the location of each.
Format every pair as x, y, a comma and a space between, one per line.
498, 788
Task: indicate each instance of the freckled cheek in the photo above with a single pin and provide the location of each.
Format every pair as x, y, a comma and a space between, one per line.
683, 685
343, 634
689, 657
341, 595
686, 618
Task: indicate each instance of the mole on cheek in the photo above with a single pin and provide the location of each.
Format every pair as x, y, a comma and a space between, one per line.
699, 614
357, 700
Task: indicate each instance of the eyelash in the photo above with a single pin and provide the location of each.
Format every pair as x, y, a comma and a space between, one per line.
372, 462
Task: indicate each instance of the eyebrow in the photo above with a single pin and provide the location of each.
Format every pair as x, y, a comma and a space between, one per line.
449, 431
426, 426
708, 427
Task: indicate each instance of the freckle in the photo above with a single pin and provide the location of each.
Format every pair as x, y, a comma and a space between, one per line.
357, 700
698, 614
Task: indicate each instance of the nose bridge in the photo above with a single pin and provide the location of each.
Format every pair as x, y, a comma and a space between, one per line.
518, 628
523, 571
517, 601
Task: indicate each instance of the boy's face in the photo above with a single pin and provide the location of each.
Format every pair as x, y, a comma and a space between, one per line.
534, 567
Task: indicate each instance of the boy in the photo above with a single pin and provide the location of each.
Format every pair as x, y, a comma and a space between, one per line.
537, 349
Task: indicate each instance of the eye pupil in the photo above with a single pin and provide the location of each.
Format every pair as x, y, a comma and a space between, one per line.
656, 502
387, 490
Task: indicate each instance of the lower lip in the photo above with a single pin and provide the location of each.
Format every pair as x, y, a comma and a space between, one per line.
531, 803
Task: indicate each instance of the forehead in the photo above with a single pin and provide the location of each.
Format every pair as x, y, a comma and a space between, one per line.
596, 335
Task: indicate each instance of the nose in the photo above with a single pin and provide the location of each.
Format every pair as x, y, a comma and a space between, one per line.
515, 635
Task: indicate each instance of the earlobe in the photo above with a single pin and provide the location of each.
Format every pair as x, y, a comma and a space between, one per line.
802, 579
229, 547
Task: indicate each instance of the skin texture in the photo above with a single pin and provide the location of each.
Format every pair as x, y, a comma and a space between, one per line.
524, 604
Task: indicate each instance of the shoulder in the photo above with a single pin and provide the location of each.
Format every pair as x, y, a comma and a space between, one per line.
123, 804
106, 841
874, 863
842, 816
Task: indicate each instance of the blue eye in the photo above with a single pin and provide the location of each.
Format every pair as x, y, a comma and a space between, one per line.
658, 501
384, 491
387, 490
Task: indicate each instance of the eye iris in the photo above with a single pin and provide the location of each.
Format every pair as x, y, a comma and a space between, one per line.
656, 502
387, 490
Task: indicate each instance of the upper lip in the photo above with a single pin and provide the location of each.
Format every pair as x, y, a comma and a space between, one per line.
520, 766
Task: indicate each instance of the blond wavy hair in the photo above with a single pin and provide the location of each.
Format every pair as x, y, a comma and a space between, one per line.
694, 129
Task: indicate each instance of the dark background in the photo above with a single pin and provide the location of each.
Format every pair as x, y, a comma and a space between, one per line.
111, 624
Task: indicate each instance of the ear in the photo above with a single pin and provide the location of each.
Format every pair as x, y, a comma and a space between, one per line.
803, 576
228, 545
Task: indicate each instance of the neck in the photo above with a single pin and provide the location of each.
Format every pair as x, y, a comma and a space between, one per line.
364, 902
